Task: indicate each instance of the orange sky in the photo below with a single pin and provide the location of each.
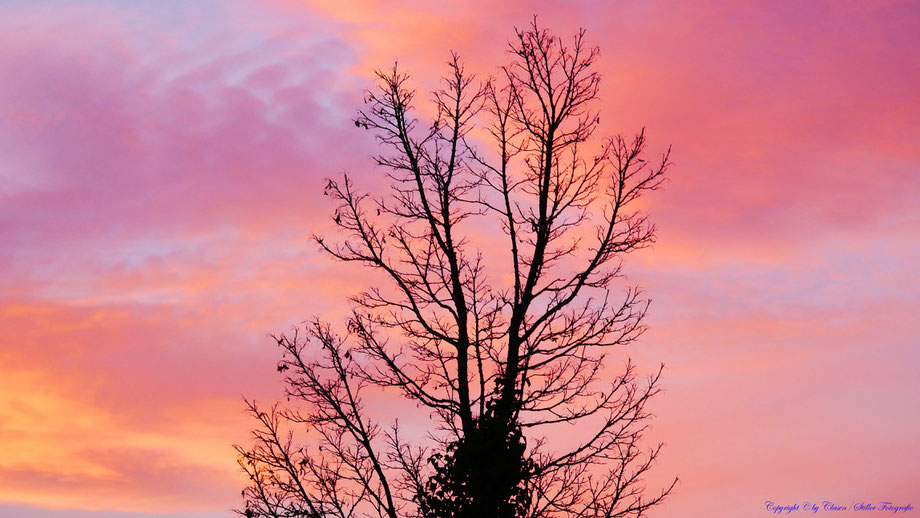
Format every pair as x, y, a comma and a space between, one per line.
161, 167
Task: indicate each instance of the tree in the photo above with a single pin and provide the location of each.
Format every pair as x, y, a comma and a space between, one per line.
503, 346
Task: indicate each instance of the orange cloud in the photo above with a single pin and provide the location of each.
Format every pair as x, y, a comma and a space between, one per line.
162, 170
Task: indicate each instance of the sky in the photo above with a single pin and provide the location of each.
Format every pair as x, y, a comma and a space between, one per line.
161, 171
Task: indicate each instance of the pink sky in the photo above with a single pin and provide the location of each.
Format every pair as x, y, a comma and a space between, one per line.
161, 167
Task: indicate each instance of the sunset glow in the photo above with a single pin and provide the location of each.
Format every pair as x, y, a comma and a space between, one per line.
161, 172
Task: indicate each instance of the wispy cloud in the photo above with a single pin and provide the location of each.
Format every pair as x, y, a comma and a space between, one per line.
161, 169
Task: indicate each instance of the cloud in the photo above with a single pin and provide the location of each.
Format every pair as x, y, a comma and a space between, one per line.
23, 511
161, 170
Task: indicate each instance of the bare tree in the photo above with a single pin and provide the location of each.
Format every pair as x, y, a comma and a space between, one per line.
503, 345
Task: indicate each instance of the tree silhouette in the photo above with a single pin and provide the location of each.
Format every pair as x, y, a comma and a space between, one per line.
503, 344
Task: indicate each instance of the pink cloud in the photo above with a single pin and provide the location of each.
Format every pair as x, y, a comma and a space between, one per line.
162, 169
